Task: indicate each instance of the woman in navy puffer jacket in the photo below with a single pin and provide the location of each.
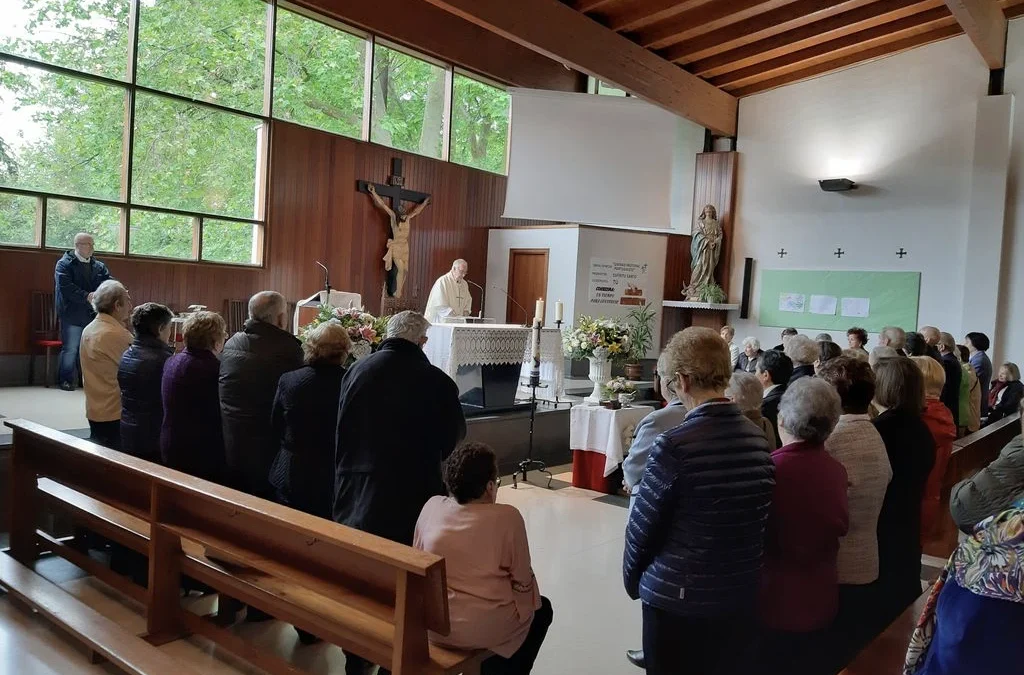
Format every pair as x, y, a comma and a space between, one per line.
139, 375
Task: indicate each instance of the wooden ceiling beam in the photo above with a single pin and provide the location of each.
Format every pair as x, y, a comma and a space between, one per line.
640, 13
826, 51
1013, 8
770, 23
848, 60
561, 33
590, 5
985, 23
703, 19
839, 25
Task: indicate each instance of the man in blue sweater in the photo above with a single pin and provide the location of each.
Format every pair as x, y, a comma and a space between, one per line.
77, 275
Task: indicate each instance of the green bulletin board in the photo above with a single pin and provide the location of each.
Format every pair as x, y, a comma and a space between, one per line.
892, 298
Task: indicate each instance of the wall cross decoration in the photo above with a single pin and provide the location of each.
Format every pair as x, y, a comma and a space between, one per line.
782, 252
901, 253
838, 253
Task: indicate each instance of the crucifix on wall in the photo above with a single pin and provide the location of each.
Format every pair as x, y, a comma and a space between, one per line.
396, 260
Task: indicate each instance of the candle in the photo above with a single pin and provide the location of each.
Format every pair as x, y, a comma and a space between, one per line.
535, 345
539, 311
558, 310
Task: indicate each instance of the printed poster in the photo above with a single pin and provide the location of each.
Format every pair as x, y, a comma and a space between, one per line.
824, 304
792, 302
856, 307
618, 282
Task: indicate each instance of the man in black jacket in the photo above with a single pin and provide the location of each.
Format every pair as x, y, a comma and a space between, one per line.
253, 360
78, 273
774, 371
399, 419
950, 396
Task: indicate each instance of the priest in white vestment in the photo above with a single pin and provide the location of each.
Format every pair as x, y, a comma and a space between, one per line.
450, 295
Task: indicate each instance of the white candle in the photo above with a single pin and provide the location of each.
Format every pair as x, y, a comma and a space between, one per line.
558, 310
539, 311
535, 345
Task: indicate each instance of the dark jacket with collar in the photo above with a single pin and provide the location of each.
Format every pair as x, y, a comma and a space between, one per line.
801, 371
142, 410
950, 396
190, 436
695, 535
74, 280
399, 419
748, 364
305, 420
990, 491
253, 361
770, 410
1008, 403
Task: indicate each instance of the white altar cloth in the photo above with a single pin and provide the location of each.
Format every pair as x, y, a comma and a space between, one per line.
609, 432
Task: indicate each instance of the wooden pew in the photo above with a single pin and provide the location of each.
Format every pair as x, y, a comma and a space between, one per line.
886, 653
368, 595
970, 454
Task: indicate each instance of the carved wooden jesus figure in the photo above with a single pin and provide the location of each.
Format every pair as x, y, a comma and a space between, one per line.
396, 260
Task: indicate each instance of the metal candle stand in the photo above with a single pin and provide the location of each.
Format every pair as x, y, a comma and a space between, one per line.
534, 384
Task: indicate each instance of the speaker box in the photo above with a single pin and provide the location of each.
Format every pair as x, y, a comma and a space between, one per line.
748, 279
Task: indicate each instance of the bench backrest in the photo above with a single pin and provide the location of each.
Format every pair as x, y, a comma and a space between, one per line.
360, 570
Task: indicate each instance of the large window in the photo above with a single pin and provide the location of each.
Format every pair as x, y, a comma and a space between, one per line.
480, 115
145, 122
408, 102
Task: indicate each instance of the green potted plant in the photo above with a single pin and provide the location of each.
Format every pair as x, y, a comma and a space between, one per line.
641, 338
711, 293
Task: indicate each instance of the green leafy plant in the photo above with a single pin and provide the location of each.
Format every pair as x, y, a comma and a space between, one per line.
711, 293
641, 332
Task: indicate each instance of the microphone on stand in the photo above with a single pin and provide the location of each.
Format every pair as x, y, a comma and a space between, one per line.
526, 314
480, 314
327, 280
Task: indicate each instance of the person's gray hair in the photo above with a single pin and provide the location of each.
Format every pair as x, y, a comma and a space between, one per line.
81, 236
879, 353
824, 337
948, 342
810, 409
106, 297
752, 342
802, 350
896, 336
266, 306
459, 262
745, 390
327, 343
408, 325
665, 374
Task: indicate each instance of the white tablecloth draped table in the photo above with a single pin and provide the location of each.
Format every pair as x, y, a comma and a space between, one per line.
609, 432
451, 346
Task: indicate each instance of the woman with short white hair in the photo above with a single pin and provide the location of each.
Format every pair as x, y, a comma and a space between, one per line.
803, 352
104, 342
809, 514
746, 391
750, 356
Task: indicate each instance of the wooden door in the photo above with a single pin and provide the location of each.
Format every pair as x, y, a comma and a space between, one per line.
527, 281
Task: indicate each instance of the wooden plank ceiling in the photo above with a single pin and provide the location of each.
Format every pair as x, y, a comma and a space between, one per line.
747, 46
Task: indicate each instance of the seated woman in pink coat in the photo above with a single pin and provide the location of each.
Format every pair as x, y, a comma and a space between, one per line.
493, 597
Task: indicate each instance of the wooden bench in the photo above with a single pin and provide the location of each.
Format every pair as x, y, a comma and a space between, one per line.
970, 454
370, 596
886, 653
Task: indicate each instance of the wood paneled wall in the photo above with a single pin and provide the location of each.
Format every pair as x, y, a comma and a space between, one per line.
314, 214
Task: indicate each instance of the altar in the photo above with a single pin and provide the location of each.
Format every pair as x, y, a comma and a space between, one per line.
487, 361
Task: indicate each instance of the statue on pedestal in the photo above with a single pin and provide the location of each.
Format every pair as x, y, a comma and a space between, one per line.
705, 249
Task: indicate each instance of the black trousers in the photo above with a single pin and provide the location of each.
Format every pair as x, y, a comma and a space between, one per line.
521, 663
107, 434
679, 645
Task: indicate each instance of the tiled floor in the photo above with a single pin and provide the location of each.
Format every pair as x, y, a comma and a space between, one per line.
576, 544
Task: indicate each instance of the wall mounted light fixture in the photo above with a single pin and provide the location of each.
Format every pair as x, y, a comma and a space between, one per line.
837, 185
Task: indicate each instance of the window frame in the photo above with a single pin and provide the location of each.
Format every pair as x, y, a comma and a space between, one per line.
265, 118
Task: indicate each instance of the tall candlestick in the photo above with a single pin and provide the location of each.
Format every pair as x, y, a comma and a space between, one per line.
558, 310
535, 351
539, 311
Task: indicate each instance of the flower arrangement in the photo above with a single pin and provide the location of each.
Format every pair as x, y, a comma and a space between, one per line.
617, 385
590, 335
365, 330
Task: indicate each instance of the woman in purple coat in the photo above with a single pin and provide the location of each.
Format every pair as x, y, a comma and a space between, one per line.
191, 438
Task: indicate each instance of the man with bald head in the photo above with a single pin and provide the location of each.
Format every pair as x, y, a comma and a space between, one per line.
932, 336
77, 276
450, 294
252, 362
895, 337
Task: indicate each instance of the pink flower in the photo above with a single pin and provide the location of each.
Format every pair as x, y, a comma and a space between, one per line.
368, 333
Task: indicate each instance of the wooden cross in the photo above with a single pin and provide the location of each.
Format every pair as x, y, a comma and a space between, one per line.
782, 252
839, 253
901, 253
394, 189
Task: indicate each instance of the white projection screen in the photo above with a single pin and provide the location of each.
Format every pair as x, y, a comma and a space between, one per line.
581, 158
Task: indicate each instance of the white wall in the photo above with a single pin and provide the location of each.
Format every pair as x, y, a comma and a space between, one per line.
612, 244
1010, 326
903, 127
562, 245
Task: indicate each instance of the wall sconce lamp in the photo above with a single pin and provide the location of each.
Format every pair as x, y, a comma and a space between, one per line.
837, 185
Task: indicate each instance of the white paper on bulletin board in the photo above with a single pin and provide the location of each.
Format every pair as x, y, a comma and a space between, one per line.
856, 307
792, 302
824, 304
617, 282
